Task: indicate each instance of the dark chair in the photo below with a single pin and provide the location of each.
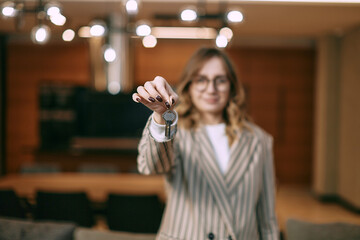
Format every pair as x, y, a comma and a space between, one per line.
133, 213
64, 206
301, 230
11, 205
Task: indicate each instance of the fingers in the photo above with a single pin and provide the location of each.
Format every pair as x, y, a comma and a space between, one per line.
136, 98
168, 94
153, 93
145, 94
160, 84
142, 96
156, 91
173, 96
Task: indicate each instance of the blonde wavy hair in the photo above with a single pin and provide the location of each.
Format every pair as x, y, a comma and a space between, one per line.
234, 113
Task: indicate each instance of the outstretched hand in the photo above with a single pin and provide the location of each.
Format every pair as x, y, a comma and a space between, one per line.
157, 95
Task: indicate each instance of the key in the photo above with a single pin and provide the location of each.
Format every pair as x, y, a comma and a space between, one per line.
169, 117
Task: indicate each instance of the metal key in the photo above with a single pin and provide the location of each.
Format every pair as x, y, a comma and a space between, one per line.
169, 117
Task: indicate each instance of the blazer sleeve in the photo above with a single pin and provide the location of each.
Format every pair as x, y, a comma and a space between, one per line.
154, 157
266, 216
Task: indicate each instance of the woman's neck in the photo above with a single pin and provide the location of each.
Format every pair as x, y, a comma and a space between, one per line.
211, 119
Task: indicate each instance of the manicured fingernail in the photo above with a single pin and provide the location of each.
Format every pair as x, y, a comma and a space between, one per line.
173, 101
138, 99
167, 104
159, 98
151, 99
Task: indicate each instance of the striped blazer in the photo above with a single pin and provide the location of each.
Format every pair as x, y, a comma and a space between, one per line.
203, 203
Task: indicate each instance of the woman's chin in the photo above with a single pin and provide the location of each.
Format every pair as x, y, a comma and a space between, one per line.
211, 109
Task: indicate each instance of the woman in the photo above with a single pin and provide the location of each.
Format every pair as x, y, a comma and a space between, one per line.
218, 165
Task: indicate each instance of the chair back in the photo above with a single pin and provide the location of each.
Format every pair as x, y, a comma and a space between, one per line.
134, 213
10, 204
64, 206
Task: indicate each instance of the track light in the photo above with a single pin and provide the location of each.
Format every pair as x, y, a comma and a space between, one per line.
43, 11
132, 7
68, 35
234, 16
143, 29
8, 9
113, 87
52, 9
221, 41
109, 54
189, 14
58, 20
40, 34
149, 41
84, 32
227, 32
97, 28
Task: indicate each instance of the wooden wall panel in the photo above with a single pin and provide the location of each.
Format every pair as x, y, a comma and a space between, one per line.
3, 53
27, 66
279, 83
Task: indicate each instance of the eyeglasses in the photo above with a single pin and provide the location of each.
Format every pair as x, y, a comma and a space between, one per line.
201, 83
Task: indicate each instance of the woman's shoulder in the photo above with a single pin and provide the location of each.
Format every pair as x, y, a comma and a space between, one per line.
258, 131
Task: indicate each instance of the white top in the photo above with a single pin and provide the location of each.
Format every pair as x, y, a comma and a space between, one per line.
220, 144
216, 135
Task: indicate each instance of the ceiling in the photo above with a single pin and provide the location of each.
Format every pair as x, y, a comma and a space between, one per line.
262, 19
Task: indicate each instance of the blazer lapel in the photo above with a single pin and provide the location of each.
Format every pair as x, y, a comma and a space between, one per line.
241, 155
207, 161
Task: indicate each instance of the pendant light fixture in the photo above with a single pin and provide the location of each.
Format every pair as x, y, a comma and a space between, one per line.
44, 12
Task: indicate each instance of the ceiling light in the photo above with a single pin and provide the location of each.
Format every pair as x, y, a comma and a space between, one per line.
68, 35
58, 19
311, 1
8, 9
227, 32
234, 16
84, 32
52, 9
114, 87
132, 7
221, 41
97, 28
43, 11
40, 34
184, 32
143, 30
149, 41
109, 54
188, 15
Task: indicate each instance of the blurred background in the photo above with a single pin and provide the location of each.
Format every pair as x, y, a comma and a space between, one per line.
68, 69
